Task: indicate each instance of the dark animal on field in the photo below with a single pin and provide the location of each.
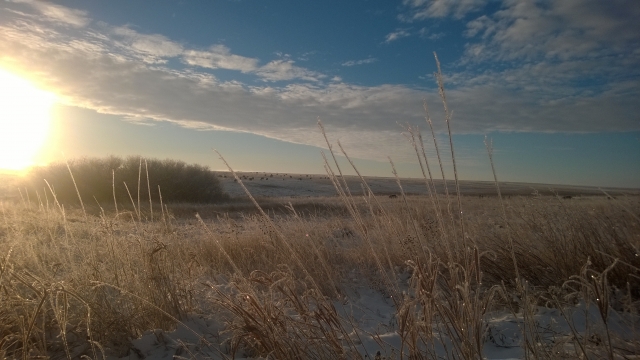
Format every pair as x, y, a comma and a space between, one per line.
567, 197
393, 196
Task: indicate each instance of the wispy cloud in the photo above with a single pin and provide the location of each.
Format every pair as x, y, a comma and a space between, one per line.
307, 55
152, 48
280, 70
558, 55
560, 51
423, 9
220, 57
105, 69
359, 62
426, 34
58, 13
557, 30
398, 34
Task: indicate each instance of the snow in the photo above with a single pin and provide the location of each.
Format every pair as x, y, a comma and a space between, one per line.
202, 336
373, 313
297, 185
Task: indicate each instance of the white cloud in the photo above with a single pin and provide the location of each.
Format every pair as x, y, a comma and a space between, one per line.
559, 30
557, 52
398, 34
220, 57
359, 62
153, 45
90, 69
307, 55
279, 70
58, 13
423, 9
125, 86
425, 34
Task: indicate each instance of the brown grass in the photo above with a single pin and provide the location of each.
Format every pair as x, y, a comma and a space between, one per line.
55, 265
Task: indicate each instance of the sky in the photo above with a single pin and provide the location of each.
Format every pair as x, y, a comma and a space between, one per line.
554, 84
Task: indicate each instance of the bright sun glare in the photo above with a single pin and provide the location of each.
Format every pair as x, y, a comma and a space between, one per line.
24, 121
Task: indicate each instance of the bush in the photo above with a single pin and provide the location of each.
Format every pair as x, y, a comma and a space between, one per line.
95, 177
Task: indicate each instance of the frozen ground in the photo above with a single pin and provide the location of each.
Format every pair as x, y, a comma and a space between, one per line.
284, 185
373, 313
262, 184
202, 337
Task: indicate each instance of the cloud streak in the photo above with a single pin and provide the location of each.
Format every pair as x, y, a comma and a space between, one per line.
149, 46
556, 30
359, 62
396, 35
424, 9
116, 70
58, 13
281, 70
220, 57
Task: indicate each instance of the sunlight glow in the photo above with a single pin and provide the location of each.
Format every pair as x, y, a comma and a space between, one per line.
24, 121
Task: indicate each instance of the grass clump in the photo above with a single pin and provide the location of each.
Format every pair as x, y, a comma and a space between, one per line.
104, 179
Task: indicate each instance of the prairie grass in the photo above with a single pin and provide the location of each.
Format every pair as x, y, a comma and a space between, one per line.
277, 274
115, 277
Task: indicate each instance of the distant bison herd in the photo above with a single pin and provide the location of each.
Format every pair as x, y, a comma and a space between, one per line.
298, 177
266, 177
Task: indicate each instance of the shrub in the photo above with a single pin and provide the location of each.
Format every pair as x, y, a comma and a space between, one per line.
97, 178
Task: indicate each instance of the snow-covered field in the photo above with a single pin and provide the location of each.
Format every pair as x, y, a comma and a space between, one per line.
370, 314
374, 331
262, 184
214, 273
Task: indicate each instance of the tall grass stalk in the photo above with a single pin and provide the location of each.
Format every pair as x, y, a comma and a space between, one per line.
146, 169
272, 225
444, 178
433, 194
448, 115
84, 212
335, 161
139, 177
408, 209
489, 146
364, 231
133, 204
113, 189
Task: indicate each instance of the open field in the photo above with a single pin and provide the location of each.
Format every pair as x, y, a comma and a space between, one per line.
324, 277
275, 185
263, 184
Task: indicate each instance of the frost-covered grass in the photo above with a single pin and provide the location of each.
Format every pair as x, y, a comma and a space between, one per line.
323, 285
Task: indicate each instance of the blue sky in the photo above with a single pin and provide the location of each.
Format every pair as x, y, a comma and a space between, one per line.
555, 84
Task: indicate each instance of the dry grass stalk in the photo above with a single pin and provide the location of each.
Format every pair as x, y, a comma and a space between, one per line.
447, 117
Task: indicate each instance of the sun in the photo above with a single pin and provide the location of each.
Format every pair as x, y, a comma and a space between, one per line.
24, 121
